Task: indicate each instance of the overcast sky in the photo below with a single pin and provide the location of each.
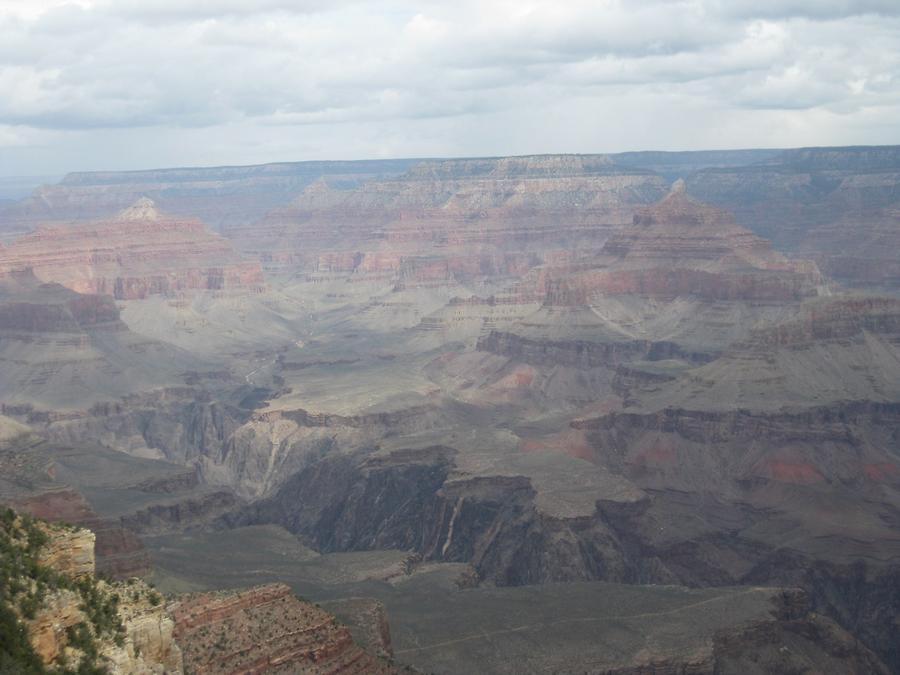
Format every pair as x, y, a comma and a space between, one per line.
119, 84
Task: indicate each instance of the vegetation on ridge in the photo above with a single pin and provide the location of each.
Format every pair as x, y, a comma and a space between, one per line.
25, 587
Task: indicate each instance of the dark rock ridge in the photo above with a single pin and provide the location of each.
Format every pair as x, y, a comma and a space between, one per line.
582, 354
408, 500
185, 513
30, 306
183, 425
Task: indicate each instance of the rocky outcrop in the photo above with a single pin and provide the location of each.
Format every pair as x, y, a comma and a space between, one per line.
265, 630
114, 550
186, 513
138, 253
69, 618
69, 552
148, 645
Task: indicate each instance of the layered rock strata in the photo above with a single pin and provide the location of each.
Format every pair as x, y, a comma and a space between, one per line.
265, 630
681, 282
456, 219
139, 252
115, 550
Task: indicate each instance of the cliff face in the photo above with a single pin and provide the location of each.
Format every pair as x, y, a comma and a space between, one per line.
407, 500
149, 646
265, 630
114, 551
70, 552
139, 252
70, 620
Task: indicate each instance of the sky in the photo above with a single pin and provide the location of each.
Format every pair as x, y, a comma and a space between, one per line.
127, 84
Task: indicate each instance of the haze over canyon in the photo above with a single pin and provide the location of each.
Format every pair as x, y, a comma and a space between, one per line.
624, 413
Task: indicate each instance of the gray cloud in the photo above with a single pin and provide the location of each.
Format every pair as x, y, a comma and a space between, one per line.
223, 80
813, 9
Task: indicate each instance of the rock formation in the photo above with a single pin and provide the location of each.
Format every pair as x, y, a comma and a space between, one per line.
265, 630
115, 551
137, 253
682, 281
452, 219
69, 619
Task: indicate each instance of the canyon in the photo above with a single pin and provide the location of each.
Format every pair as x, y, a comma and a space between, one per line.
562, 413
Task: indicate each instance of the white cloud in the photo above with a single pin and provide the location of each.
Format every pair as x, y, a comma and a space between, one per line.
203, 79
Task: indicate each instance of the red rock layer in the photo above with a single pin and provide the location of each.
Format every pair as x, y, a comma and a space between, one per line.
265, 630
141, 252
